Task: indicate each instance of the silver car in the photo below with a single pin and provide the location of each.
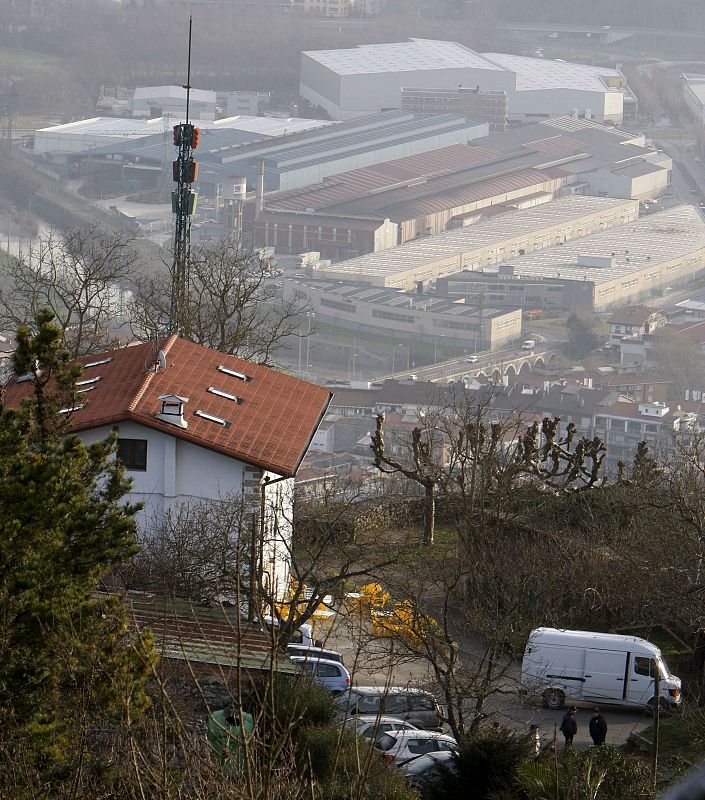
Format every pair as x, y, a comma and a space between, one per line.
411, 705
370, 726
332, 675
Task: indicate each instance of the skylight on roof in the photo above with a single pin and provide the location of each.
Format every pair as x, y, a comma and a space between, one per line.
97, 363
85, 389
234, 373
211, 418
221, 393
88, 381
69, 410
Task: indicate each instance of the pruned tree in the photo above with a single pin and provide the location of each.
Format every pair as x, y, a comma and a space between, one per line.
230, 305
422, 467
459, 450
80, 277
546, 454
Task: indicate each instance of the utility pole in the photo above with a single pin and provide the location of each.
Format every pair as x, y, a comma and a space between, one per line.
657, 720
183, 205
555, 758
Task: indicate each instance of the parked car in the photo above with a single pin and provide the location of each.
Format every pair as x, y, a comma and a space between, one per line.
426, 770
402, 745
562, 665
332, 675
411, 705
370, 726
472, 359
306, 651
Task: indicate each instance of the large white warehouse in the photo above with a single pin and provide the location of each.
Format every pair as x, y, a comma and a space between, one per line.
369, 78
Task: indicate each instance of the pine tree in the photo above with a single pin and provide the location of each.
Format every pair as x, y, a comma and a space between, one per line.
66, 660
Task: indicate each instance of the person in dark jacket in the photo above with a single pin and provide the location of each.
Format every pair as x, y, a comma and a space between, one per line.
569, 726
598, 728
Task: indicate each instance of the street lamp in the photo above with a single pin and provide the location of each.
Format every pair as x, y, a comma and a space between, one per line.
309, 314
351, 371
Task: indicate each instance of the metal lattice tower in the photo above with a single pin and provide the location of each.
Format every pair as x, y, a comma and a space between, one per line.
183, 205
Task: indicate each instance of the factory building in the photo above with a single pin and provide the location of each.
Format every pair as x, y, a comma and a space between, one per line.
369, 209
377, 207
490, 106
594, 157
370, 78
407, 315
416, 264
307, 158
628, 264
170, 101
693, 87
284, 154
548, 88
143, 140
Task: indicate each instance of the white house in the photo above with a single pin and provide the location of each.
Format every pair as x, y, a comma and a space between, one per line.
194, 424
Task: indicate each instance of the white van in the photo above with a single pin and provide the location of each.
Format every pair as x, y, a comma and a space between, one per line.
596, 667
529, 344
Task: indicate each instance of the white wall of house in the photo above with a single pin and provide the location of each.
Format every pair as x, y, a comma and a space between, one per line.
181, 472
177, 471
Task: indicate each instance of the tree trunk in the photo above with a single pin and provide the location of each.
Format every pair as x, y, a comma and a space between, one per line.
429, 512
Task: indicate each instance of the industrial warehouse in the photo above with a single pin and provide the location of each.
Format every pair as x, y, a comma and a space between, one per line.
627, 264
285, 158
370, 78
408, 315
370, 209
413, 266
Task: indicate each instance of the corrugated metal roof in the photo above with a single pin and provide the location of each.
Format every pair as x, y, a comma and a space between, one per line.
452, 244
187, 631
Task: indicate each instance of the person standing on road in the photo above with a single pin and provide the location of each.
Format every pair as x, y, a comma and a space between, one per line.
598, 728
569, 726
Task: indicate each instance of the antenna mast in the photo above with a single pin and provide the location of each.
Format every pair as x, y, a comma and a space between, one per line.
183, 205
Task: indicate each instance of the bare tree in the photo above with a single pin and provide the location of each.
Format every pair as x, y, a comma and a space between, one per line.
421, 466
458, 448
230, 304
79, 277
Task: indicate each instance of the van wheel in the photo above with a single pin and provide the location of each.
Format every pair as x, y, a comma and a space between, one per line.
553, 699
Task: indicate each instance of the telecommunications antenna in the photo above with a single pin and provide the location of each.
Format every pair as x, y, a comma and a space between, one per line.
183, 205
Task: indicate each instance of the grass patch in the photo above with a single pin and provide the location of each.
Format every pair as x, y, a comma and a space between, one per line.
681, 736
26, 60
445, 537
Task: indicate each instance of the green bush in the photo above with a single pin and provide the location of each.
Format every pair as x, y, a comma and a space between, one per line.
601, 773
301, 703
343, 766
486, 766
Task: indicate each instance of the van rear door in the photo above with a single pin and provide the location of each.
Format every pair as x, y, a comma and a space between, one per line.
605, 671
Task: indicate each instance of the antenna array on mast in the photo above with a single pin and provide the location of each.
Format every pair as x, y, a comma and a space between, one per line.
183, 205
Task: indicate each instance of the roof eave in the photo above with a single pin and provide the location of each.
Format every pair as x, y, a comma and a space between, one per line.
324, 411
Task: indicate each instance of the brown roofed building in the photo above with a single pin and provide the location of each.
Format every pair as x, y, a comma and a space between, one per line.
196, 425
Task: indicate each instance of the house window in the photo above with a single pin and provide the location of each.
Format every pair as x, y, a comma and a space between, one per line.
133, 453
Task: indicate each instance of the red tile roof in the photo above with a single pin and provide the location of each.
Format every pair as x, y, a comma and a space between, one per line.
270, 427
